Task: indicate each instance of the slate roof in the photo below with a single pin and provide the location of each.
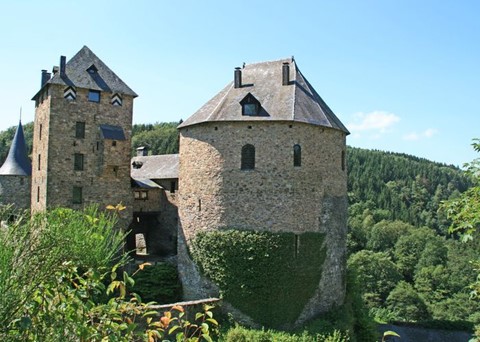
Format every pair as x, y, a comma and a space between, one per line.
164, 166
76, 75
297, 101
17, 162
112, 132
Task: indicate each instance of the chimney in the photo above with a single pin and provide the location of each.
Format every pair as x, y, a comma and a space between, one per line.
62, 65
238, 78
285, 73
142, 151
55, 70
45, 77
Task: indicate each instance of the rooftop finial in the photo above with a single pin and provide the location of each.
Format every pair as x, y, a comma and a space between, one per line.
20, 113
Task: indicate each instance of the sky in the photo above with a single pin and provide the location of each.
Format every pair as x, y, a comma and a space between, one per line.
402, 75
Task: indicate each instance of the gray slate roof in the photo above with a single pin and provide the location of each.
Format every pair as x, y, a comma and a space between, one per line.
17, 162
297, 101
112, 132
76, 75
164, 166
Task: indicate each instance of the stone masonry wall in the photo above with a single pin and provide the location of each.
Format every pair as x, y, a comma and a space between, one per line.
106, 176
15, 190
276, 196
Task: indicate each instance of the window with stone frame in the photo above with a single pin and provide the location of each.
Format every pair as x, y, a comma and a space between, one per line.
77, 195
78, 162
248, 157
297, 155
93, 95
80, 130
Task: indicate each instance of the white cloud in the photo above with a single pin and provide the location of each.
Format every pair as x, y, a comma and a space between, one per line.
414, 136
377, 122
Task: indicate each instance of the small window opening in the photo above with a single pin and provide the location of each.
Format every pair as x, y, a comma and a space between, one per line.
78, 162
199, 204
77, 195
343, 160
172, 186
297, 155
141, 195
40, 132
114, 143
38, 194
94, 96
248, 157
80, 130
39, 158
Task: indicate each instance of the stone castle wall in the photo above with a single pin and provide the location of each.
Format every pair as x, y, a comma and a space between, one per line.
105, 178
276, 196
15, 190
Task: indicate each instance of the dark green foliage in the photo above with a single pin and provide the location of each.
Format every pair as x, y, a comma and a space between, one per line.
376, 273
158, 283
160, 138
258, 271
410, 189
407, 304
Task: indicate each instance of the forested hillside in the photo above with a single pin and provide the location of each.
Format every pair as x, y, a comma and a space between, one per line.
408, 266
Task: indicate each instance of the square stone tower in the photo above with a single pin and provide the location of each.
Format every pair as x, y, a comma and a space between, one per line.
82, 134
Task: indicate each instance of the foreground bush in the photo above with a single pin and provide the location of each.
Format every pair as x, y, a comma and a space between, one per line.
60, 281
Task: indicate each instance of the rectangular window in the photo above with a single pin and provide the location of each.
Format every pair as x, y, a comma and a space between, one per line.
141, 195
39, 157
40, 132
38, 194
78, 162
80, 130
93, 96
77, 195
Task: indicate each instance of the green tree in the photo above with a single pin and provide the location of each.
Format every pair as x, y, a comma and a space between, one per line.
376, 273
407, 304
384, 235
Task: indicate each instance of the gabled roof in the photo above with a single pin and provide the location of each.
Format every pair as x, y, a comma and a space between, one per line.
100, 78
297, 101
17, 162
164, 166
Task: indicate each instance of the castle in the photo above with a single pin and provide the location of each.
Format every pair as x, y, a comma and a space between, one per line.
264, 156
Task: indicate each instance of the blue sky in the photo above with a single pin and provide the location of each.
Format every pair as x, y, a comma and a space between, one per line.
403, 76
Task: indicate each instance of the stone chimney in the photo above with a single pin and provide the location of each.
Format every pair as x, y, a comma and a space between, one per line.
142, 151
237, 78
285, 73
63, 60
45, 77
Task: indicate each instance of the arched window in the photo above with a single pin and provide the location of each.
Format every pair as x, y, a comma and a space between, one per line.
297, 155
248, 157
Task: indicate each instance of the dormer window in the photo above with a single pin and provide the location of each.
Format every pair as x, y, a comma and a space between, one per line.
250, 105
92, 69
93, 96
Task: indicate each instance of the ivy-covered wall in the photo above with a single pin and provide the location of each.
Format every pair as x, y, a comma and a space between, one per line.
268, 276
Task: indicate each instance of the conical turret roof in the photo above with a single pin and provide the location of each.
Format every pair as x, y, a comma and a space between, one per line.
17, 162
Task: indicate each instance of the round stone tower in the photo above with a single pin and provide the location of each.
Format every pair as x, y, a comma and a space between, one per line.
263, 198
16, 173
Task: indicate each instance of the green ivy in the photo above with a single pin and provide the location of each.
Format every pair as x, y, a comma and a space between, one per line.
158, 283
270, 277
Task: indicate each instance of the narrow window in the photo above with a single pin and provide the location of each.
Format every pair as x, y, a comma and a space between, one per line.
40, 132
93, 96
343, 160
38, 194
248, 157
172, 187
297, 155
80, 130
78, 162
114, 143
39, 158
77, 195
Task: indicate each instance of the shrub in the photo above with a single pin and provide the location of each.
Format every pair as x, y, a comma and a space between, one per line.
158, 283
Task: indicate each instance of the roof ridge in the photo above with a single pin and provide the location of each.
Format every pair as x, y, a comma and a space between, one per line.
272, 61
